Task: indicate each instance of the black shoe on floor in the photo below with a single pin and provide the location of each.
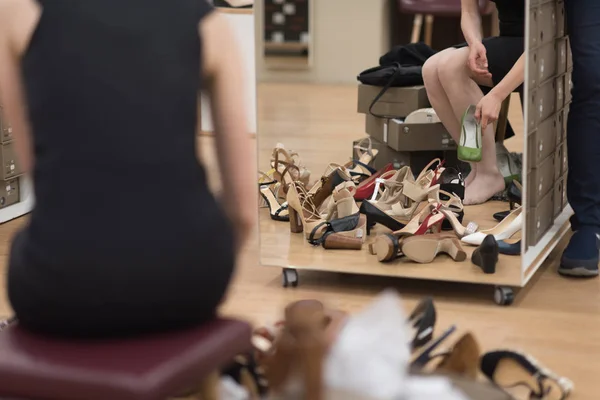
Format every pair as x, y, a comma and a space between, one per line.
580, 258
486, 255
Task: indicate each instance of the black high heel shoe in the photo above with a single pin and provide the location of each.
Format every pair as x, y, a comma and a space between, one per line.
514, 194
486, 255
508, 369
452, 181
376, 216
422, 319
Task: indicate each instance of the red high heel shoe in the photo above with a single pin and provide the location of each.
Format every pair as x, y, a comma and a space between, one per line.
365, 188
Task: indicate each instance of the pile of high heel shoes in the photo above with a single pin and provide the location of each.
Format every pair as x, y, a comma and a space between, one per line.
424, 212
294, 350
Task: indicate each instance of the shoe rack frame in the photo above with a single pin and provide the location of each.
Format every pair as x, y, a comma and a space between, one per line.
542, 229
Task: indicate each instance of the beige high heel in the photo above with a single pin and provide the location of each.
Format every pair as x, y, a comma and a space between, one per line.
425, 248
304, 216
344, 206
366, 155
282, 159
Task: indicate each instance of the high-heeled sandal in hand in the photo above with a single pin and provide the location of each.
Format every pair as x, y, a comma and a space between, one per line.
277, 211
510, 369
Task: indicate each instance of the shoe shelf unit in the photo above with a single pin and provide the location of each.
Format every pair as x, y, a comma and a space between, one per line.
544, 207
548, 91
16, 191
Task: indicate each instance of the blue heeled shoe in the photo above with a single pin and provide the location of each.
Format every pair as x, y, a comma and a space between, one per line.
509, 248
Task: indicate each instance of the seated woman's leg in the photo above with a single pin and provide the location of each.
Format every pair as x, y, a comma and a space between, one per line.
439, 99
463, 90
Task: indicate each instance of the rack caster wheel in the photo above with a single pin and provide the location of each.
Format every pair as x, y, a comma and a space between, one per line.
289, 277
504, 296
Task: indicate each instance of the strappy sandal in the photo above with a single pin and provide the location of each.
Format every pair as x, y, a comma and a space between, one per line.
366, 154
277, 211
282, 158
304, 216
422, 320
334, 176
388, 247
284, 178
511, 369
453, 209
342, 219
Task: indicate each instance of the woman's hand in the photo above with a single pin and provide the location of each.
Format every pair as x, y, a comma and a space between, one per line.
488, 110
477, 61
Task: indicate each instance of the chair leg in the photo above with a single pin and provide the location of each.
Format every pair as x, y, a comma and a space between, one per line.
209, 388
428, 29
417, 24
502, 120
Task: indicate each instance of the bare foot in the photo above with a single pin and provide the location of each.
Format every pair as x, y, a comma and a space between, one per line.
483, 187
471, 175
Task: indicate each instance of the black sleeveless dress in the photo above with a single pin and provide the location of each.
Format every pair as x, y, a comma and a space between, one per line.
503, 51
125, 237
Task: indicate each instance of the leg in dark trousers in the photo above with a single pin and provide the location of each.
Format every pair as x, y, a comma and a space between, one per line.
583, 139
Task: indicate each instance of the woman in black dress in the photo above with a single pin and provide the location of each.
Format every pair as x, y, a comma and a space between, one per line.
453, 78
125, 237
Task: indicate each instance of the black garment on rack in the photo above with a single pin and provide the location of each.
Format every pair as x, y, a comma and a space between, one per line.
125, 237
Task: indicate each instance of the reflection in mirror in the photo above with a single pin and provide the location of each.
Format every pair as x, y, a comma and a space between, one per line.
286, 33
352, 172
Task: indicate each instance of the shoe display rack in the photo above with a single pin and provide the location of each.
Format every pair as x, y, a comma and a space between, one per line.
16, 192
548, 90
415, 141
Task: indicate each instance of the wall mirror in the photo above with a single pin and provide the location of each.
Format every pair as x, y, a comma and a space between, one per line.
316, 119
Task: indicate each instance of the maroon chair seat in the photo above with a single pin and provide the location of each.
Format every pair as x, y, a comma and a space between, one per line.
150, 368
436, 7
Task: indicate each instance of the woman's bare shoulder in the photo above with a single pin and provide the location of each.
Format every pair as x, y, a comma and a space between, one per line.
18, 19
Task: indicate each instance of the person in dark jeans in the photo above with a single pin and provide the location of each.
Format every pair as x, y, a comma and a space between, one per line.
580, 258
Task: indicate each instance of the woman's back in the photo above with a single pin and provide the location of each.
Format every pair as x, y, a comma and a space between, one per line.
112, 92
123, 215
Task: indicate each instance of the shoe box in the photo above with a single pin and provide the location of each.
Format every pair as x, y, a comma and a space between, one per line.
8, 159
409, 137
549, 83
396, 102
6, 134
417, 160
9, 192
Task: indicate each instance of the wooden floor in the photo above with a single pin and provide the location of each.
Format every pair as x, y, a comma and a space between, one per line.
555, 319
